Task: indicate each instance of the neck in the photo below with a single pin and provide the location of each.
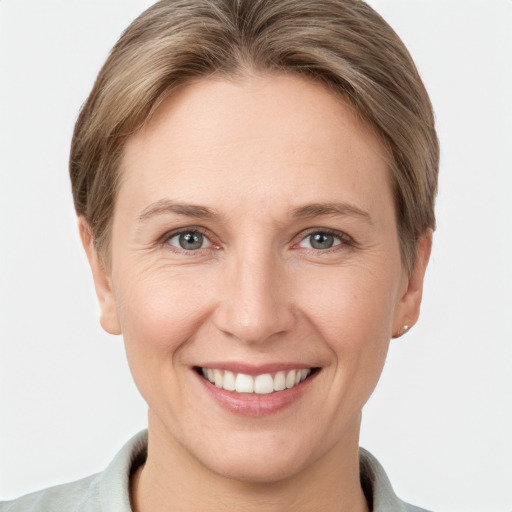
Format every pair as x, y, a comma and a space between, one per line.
172, 476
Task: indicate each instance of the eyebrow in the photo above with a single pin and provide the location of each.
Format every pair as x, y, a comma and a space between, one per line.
321, 209
165, 206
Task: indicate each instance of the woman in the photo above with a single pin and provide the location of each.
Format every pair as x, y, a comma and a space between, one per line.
255, 183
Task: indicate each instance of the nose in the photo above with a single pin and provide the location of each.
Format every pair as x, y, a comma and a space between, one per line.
254, 304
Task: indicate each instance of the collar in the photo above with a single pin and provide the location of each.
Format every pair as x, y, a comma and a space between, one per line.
114, 482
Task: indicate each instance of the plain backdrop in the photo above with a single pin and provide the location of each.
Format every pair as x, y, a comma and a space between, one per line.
440, 420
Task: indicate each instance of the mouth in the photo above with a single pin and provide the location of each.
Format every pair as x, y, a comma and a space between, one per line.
259, 384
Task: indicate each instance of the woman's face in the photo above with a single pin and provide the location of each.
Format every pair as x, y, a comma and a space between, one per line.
254, 235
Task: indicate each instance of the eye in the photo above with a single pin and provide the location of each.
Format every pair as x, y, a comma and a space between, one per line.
189, 240
321, 240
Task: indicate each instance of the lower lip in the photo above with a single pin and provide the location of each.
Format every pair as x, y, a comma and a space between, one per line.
255, 405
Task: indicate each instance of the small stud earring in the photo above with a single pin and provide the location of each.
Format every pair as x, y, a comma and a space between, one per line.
403, 330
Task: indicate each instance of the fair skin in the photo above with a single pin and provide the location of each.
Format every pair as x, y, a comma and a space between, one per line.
254, 232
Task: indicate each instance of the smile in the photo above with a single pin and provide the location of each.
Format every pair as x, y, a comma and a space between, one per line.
263, 384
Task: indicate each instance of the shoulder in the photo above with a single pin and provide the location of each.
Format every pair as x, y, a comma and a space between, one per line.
67, 497
412, 508
377, 487
72, 497
105, 492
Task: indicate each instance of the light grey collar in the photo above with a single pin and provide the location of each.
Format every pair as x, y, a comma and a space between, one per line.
114, 482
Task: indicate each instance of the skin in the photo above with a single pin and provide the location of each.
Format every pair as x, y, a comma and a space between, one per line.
253, 151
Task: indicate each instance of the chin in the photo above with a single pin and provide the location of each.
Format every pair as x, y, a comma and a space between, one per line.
259, 470
265, 458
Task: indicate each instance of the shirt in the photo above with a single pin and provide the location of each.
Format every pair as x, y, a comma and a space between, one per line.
109, 491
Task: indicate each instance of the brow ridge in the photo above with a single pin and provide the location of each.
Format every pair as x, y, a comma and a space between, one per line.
164, 206
331, 208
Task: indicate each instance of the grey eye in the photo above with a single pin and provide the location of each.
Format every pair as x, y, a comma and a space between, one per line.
189, 241
320, 240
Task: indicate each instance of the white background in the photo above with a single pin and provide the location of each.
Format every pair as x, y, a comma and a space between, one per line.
441, 419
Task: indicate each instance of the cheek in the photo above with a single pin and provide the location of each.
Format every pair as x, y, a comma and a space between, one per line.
353, 313
160, 311
350, 305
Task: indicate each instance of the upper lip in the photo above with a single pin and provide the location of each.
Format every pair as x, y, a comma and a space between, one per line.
251, 369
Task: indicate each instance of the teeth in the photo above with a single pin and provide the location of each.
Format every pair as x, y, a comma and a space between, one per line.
218, 378
244, 383
229, 381
290, 379
280, 381
263, 384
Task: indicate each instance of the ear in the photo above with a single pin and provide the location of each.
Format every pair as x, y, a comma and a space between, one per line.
102, 281
408, 308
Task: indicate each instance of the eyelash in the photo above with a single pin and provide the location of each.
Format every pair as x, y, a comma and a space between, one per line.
165, 240
344, 240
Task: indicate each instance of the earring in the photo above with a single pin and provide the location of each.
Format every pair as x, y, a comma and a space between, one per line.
402, 331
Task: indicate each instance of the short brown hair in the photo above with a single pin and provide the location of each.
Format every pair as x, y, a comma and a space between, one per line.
344, 44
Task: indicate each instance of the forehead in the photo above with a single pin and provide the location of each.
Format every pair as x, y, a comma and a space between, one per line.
224, 139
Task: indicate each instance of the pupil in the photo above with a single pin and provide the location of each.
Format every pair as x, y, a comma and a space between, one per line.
191, 240
322, 241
